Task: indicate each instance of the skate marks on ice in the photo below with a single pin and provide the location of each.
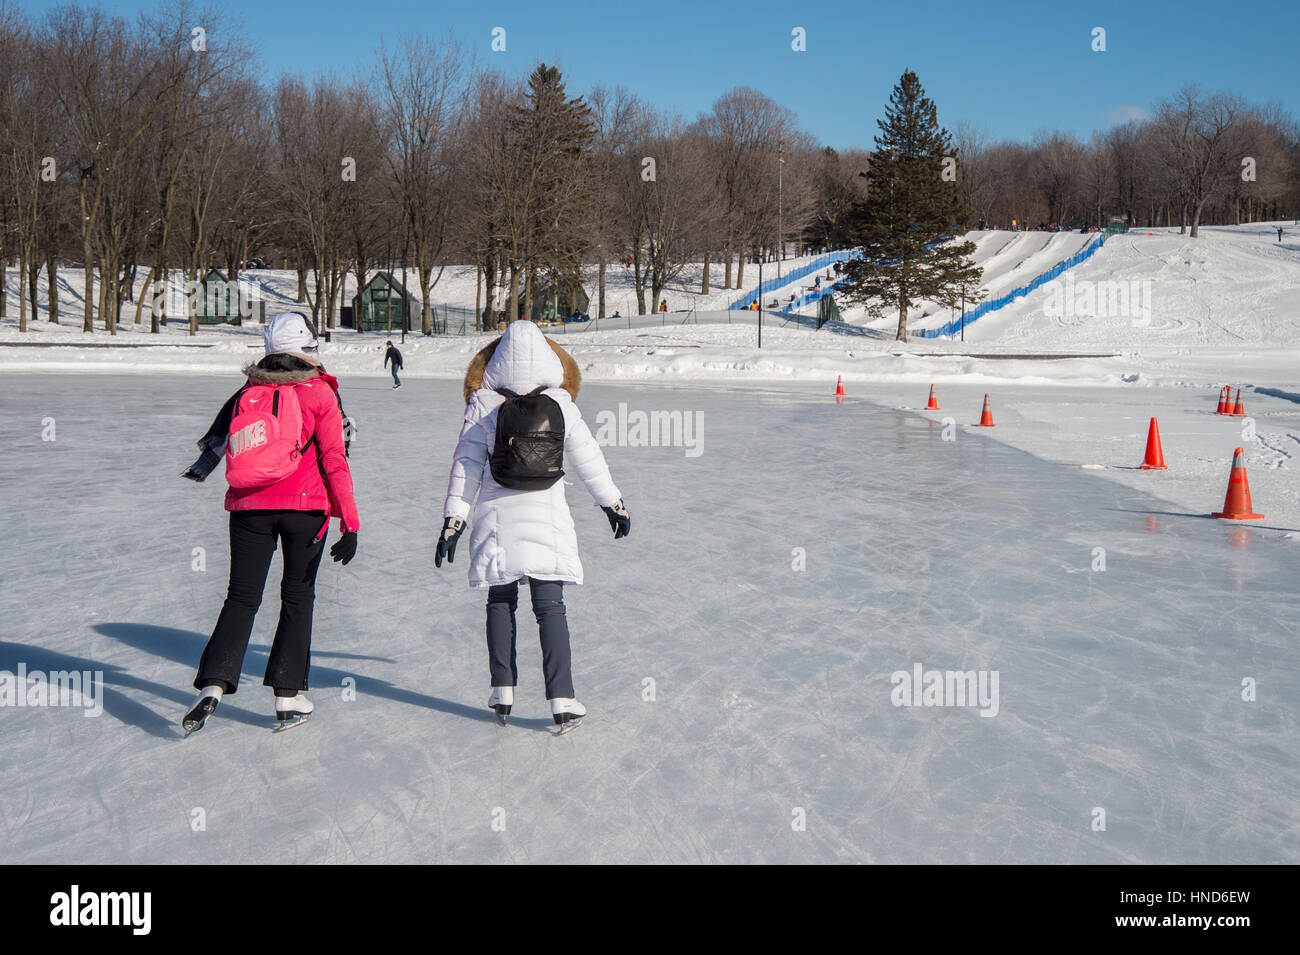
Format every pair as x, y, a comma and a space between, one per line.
186, 647
772, 685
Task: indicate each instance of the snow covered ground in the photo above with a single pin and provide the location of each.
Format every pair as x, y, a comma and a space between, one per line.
455, 287
773, 587
1120, 689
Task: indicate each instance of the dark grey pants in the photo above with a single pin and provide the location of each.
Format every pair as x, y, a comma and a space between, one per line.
548, 607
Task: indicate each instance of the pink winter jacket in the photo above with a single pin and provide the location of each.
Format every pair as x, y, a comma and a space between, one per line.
322, 481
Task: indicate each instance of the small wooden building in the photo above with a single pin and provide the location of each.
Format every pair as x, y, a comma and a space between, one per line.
217, 299
383, 305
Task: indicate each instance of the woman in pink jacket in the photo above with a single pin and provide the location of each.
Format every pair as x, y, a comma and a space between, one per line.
294, 512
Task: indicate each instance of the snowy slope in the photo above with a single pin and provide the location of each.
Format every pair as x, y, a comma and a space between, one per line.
1231, 287
1009, 260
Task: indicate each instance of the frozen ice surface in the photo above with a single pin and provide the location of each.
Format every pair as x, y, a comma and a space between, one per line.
1118, 689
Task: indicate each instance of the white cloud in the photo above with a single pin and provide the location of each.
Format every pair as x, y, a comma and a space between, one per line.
1126, 114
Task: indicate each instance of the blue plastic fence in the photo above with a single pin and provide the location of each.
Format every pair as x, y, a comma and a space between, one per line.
992, 305
775, 283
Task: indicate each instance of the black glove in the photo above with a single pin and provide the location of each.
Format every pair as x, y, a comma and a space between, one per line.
452, 528
619, 521
204, 466
345, 548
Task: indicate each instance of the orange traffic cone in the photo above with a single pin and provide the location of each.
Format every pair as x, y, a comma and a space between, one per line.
1236, 503
1155, 459
1239, 410
934, 404
986, 419
1223, 400
839, 389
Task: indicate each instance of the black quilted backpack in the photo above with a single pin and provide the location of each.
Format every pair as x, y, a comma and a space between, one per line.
529, 451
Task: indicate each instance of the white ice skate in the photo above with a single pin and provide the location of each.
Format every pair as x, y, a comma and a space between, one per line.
502, 698
204, 708
292, 711
567, 713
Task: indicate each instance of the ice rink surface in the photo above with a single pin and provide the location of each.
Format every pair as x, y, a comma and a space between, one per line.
1119, 689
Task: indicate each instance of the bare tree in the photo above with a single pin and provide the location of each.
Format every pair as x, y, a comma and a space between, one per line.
977, 170
1201, 142
671, 207
620, 121
744, 130
1058, 163
111, 87
424, 87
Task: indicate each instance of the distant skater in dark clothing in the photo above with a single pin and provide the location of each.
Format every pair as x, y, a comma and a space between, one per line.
395, 357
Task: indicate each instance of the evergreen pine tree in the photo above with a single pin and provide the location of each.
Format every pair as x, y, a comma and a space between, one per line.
551, 137
911, 212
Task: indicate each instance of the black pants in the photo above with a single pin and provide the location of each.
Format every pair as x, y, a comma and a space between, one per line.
253, 537
548, 607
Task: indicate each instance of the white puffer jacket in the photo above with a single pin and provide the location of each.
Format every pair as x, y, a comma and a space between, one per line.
515, 534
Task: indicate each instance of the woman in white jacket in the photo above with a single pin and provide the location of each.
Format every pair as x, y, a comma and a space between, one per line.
524, 534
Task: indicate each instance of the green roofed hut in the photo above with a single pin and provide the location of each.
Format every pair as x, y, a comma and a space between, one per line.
383, 305
217, 300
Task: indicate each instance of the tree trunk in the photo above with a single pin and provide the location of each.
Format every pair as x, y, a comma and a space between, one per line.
146, 293
638, 279
426, 307
51, 273
302, 279
158, 305
191, 308
105, 287
22, 291
478, 293
600, 305
512, 310
88, 308
4, 289
530, 284
33, 282
902, 321
704, 280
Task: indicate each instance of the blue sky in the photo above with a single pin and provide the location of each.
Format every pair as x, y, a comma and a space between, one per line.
1011, 67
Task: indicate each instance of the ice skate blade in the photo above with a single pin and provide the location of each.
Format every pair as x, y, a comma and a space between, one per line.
566, 723
296, 719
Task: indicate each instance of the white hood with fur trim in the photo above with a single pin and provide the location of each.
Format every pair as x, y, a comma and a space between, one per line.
523, 361
516, 534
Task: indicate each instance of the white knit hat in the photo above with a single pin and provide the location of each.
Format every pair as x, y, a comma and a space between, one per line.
290, 332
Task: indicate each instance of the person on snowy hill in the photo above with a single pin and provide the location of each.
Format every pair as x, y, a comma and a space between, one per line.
520, 426
285, 442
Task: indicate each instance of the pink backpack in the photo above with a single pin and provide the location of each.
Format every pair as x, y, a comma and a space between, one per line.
262, 445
